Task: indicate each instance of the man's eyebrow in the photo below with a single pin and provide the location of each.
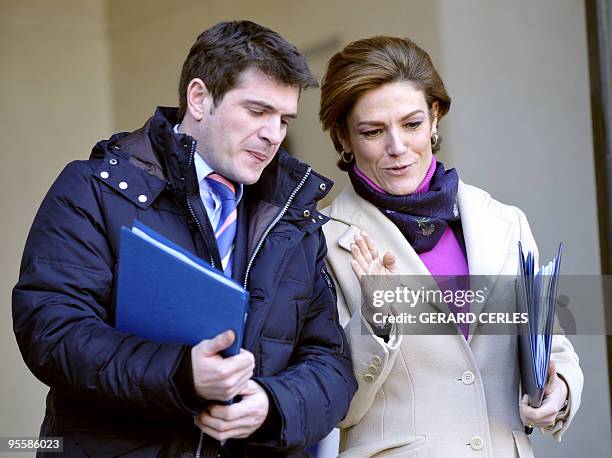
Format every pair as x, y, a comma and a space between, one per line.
268, 107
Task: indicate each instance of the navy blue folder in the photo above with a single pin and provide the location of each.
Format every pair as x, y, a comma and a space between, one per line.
536, 296
166, 294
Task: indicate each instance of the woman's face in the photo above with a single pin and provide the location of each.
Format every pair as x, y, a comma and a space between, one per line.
389, 132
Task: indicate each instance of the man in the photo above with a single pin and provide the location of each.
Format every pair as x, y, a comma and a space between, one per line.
211, 178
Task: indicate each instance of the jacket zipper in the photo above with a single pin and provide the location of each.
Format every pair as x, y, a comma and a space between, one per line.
192, 213
332, 287
327, 279
272, 224
212, 263
257, 248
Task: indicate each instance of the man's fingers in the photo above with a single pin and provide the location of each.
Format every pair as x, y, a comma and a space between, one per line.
229, 374
236, 363
236, 433
217, 344
220, 423
229, 413
232, 385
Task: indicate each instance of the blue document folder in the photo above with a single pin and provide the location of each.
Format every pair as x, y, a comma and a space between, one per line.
166, 294
536, 296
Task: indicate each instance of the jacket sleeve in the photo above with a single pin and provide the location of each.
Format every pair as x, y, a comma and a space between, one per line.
313, 394
61, 309
562, 353
367, 349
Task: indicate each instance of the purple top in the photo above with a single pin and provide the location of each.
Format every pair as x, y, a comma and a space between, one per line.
446, 257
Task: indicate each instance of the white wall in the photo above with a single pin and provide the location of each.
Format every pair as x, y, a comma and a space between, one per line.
520, 127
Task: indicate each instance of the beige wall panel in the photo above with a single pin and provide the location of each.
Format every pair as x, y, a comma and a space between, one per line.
54, 104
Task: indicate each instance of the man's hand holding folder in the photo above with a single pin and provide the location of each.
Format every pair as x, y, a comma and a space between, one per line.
220, 368
222, 379
218, 378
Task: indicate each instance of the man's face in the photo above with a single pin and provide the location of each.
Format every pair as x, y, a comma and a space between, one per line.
240, 137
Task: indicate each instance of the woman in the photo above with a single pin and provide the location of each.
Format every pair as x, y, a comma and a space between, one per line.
424, 395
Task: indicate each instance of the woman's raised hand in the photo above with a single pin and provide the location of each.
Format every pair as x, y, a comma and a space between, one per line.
367, 263
366, 260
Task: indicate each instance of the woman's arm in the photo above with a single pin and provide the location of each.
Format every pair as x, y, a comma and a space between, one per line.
570, 378
372, 356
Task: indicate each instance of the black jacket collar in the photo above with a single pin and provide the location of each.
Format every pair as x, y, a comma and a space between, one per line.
159, 151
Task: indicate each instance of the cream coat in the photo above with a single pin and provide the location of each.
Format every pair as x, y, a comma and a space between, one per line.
438, 396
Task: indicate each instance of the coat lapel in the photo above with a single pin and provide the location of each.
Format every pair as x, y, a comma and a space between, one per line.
487, 238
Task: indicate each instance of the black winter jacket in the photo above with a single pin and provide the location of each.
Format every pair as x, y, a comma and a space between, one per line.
116, 394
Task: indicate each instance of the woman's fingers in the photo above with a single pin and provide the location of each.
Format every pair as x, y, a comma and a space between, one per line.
366, 253
552, 378
370, 244
389, 261
358, 256
357, 270
365, 250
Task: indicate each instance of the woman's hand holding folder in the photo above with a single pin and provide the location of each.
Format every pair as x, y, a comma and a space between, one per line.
555, 397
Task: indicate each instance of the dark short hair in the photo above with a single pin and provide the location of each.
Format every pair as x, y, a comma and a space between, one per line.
367, 64
223, 52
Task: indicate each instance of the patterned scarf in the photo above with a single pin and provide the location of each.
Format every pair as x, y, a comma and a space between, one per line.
422, 216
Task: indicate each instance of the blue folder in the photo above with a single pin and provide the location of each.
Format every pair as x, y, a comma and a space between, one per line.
166, 294
536, 296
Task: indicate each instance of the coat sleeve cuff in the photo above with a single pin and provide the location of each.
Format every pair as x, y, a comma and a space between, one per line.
270, 433
183, 380
566, 363
373, 359
273, 424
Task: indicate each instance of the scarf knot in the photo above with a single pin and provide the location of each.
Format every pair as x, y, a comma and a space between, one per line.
422, 216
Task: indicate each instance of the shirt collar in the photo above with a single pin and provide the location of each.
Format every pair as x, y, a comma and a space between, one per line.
203, 169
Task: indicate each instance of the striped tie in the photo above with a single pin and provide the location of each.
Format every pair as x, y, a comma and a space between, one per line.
226, 226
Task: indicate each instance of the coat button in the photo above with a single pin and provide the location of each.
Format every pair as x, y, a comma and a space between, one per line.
113, 161
104, 174
372, 369
142, 198
476, 443
376, 360
306, 213
368, 377
123, 185
322, 186
468, 377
